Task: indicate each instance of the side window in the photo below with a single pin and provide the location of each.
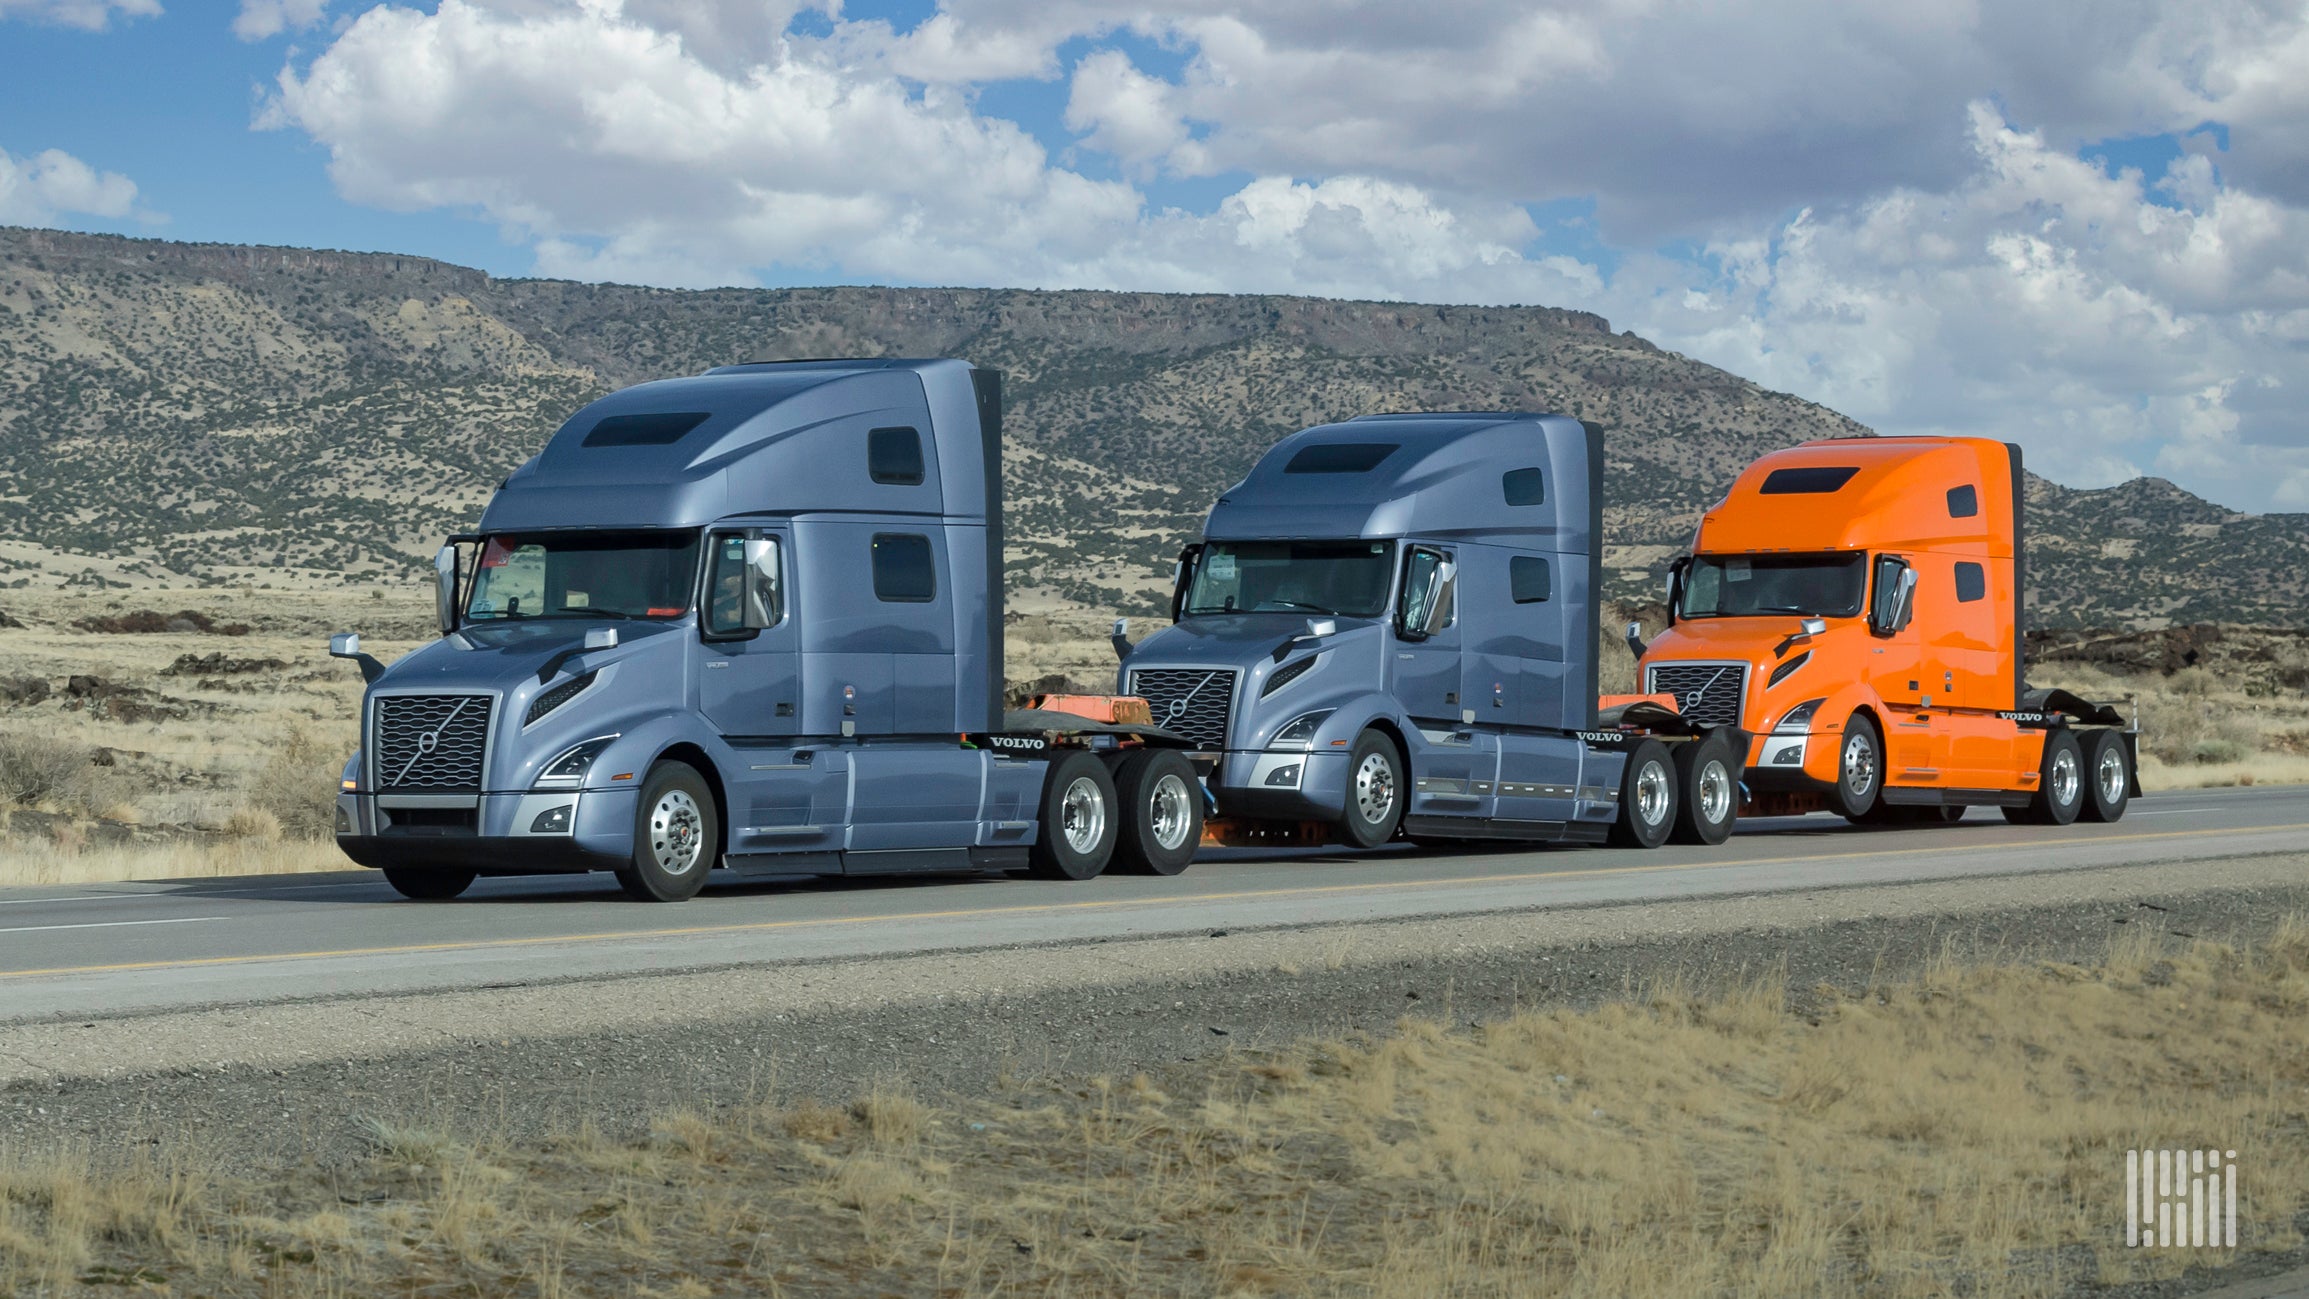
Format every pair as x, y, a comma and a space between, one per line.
894, 455
743, 595
1963, 502
904, 572
1424, 591
1529, 579
1524, 487
1971, 582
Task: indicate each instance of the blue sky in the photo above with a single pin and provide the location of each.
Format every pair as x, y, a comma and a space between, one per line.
2082, 232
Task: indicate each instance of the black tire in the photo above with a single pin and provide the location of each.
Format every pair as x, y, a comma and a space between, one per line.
676, 836
2108, 776
1648, 801
1161, 800
2060, 782
1859, 770
429, 884
1707, 791
1376, 792
1059, 854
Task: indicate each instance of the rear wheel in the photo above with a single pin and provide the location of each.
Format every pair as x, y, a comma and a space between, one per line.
1075, 838
1162, 813
1647, 797
2060, 784
428, 885
1708, 791
1374, 792
674, 833
2109, 776
1859, 769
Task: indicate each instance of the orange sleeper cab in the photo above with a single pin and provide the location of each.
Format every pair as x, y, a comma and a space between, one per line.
1855, 604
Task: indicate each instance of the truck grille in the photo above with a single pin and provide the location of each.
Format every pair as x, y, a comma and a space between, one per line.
1190, 702
431, 741
1712, 694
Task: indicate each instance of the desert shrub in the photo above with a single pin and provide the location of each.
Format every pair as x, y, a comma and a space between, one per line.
2217, 750
297, 787
39, 768
47, 770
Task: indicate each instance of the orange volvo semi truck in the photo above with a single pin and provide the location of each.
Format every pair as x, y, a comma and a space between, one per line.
1855, 606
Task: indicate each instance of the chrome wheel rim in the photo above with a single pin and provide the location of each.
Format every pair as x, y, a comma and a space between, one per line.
1375, 788
1652, 796
676, 832
2065, 778
1859, 765
1715, 793
1167, 812
2112, 774
1082, 815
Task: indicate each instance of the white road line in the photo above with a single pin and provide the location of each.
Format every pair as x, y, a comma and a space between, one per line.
82, 897
2171, 811
110, 924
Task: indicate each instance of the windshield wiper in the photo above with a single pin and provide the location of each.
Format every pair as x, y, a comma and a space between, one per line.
595, 613
1781, 608
1295, 604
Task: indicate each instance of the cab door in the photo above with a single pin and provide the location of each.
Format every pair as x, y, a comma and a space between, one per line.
1424, 669
1914, 745
749, 671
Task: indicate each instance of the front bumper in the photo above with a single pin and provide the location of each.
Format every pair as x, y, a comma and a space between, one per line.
1283, 784
526, 832
1787, 764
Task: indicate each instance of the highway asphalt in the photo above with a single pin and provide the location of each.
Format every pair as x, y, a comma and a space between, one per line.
124, 948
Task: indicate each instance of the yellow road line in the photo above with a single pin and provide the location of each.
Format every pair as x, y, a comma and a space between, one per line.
1043, 908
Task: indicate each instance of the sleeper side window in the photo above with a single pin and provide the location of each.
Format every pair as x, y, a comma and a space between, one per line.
1524, 487
1971, 583
904, 571
1529, 580
1963, 502
894, 456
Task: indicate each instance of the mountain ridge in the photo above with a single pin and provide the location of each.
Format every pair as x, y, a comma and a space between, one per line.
222, 413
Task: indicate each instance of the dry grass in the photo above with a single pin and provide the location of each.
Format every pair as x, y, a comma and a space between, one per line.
1960, 1133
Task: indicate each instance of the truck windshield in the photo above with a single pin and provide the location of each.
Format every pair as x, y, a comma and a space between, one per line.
584, 575
1739, 586
1338, 577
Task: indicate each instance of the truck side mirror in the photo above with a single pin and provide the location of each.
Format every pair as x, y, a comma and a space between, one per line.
1676, 586
445, 588
601, 638
1440, 587
1895, 596
347, 645
1120, 638
765, 602
1814, 626
1635, 639
1183, 578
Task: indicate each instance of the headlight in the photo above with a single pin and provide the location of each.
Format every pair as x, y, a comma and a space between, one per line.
1299, 732
570, 765
1788, 669
1799, 718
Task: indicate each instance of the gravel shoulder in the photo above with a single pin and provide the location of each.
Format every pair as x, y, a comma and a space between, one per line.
293, 1081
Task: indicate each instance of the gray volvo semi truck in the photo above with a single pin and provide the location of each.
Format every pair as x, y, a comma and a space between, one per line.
750, 619
1390, 627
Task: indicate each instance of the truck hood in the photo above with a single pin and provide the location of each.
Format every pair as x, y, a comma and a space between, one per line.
1243, 640
481, 657
1753, 641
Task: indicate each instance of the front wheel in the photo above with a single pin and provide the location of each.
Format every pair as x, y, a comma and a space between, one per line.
1859, 769
1162, 813
1076, 835
1374, 792
2109, 769
426, 885
674, 835
1648, 800
1708, 791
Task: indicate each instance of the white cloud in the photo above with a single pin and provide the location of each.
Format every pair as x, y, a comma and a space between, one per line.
45, 188
262, 19
1873, 233
93, 15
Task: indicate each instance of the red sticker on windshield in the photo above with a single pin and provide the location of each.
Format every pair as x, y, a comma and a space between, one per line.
498, 551
665, 613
